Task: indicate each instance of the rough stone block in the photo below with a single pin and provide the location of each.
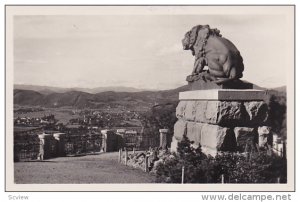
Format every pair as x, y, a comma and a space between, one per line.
180, 109
243, 136
257, 111
174, 144
211, 112
200, 111
190, 111
224, 113
209, 151
212, 138
264, 136
194, 132
217, 138
180, 129
230, 111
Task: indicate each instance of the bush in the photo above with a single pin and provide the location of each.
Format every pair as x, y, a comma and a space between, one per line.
258, 167
195, 164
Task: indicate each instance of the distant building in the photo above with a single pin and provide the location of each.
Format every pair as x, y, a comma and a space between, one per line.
73, 126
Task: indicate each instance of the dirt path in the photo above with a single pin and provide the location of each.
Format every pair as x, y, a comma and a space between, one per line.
102, 168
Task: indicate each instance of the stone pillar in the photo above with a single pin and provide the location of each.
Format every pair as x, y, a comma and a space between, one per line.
120, 137
126, 157
120, 155
44, 152
109, 140
60, 138
42, 147
146, 163
163, 138
104, 140
220, 119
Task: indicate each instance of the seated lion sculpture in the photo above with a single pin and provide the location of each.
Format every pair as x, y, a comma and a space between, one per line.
211, 49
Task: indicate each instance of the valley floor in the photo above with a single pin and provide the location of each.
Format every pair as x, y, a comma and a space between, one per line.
101, 168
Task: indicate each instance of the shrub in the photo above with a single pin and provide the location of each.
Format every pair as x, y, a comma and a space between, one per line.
194, 161
255, 167
258, 167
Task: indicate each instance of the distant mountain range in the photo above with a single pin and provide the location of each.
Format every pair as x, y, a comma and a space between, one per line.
82, 97
281, 89
48, 89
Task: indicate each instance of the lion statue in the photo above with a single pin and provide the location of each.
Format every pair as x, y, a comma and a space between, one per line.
210, 49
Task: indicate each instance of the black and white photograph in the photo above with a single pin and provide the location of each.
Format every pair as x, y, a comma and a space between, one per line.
150, 98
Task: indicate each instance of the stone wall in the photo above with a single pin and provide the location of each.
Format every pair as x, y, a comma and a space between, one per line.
226, 123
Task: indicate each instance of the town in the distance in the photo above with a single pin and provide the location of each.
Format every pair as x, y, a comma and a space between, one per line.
132, 119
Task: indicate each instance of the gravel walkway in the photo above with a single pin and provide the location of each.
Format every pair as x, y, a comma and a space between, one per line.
100, 168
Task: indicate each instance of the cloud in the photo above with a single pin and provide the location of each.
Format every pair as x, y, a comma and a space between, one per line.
141, 51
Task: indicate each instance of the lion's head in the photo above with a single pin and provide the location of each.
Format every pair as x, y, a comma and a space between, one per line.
199, 32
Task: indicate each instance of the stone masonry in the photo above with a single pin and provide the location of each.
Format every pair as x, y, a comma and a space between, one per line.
221, 119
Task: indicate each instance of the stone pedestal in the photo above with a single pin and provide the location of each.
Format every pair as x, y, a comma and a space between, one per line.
163, 138
120, 138
220, 119
104, 140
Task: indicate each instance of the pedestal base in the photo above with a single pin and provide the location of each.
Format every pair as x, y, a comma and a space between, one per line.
220, 120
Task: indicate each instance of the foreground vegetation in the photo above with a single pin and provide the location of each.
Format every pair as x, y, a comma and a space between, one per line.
253, 167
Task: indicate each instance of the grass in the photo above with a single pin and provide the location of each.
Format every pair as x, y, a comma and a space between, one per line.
101, 168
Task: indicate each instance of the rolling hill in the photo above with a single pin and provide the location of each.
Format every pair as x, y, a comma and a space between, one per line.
27, 97
49, 90
81, 99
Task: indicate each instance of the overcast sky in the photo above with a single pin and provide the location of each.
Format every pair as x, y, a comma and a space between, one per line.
138, 51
